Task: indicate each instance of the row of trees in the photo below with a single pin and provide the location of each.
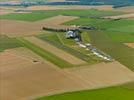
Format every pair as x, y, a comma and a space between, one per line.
56, 30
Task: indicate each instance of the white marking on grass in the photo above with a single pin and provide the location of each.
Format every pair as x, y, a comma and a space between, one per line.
60, 39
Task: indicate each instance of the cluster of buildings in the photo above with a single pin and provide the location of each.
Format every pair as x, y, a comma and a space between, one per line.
74, 34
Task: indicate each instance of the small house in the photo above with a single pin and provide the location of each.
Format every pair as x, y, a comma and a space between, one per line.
70, 34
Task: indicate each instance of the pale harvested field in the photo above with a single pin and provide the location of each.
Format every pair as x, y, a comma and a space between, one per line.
8, 10
129, 9
21, 28
3, 12
130, 45
16, 57
103, 74
56, 51
22, 79
57, 20
26, 53
17, 28
74, 7
121, 16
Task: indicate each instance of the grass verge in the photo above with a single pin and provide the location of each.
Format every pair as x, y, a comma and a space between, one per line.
7, 43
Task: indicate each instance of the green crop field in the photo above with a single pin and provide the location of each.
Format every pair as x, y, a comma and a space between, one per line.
88, 13
123, 92
7, 43
117, 50
106, 24
128, 28
87, 22
121, 37
40, 15
119, 30
44, 54
27, 16
123, 25
85, 37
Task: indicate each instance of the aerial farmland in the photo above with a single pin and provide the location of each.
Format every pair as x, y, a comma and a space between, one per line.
66, 50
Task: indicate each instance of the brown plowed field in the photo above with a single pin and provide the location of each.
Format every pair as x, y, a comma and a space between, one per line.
21, 78
21, 28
